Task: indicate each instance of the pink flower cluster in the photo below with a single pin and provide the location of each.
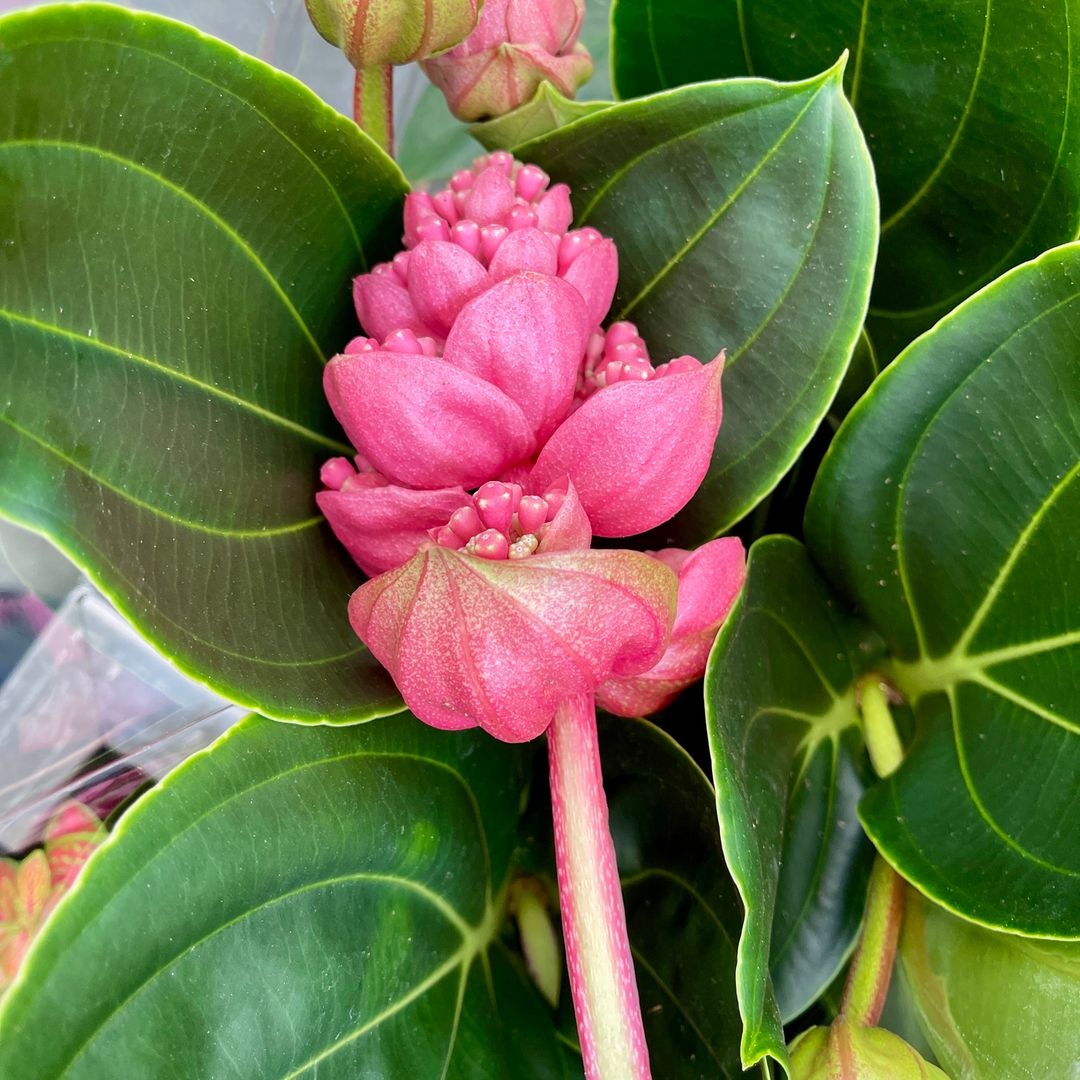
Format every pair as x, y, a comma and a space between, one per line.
498, 428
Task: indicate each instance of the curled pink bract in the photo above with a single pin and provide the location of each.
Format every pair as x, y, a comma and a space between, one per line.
710, 579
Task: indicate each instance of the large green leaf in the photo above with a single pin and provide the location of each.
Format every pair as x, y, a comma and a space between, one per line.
178, 226
948, 508
746, 218
294, 903
790, 767
969, 110
994, 1006
682, 911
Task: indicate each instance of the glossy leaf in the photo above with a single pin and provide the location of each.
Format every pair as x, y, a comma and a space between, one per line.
968, 109
948, 510
294, 902
681, 908
790, 767
178, 227
746, 218
992, 1005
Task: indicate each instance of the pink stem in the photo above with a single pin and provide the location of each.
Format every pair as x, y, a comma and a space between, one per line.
594, 921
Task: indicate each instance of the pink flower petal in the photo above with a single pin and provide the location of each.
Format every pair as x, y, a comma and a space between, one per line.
526, 335
525, 249
551, 25
569, 529
443, 277
73, 817
383, 305
423, 423
595, 273
500, 643
637, 451
490, 198
382, 527
710, 579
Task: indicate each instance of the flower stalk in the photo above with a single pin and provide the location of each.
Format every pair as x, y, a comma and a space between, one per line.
373, 104
598, 955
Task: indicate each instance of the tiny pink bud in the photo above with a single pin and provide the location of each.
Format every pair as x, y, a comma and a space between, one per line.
532, 513
466, 234
335, 472
490, 544
496, 504
491, 236
531, 180
433, 228
444, 205
521, 217
466, 523
554, 211
447, 538
403, 341
461, 180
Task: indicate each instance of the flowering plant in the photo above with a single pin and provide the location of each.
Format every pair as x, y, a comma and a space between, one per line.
765, 371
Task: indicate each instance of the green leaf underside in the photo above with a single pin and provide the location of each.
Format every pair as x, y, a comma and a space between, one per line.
789, 767
294, 903
746, 219
681, 908
176, 244
948, 509
970, 113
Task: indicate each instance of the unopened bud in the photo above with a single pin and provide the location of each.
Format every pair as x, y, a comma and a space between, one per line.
855, 1052
372, 33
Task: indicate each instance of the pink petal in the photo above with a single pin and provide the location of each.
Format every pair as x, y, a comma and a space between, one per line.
423, 423
34, 883
526, 335
382, 527
500, 643
442, 279
710, 579
554, 212
383, 305
525, 249
67, 857
595, 273
637, 451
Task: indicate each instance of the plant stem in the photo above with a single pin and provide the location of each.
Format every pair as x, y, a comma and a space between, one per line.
871, 967
594, 921
879, 731
373, 104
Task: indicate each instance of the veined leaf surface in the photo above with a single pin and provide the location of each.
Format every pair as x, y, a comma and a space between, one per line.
178, 227
970, 111
948, 510
746, 219
790, 768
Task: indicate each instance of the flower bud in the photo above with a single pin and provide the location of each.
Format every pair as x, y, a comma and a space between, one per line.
855, 1052
516, 46
376, 32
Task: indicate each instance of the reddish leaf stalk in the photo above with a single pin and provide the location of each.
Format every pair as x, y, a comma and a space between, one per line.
871, 967
373, 104
598, 957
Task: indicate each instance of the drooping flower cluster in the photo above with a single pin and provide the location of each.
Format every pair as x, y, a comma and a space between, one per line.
30, 889
498, 428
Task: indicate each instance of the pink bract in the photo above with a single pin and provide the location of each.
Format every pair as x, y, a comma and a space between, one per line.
710, 579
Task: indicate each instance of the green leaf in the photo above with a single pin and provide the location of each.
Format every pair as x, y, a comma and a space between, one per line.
746, 219
547, 111
294, 901
969, 111
790, 767
992, 1005
178, 227
681, 908
948, 510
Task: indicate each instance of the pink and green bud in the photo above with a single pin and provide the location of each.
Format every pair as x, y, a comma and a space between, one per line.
372, 33
849, 1051
710, 579
495, 220
516, 46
